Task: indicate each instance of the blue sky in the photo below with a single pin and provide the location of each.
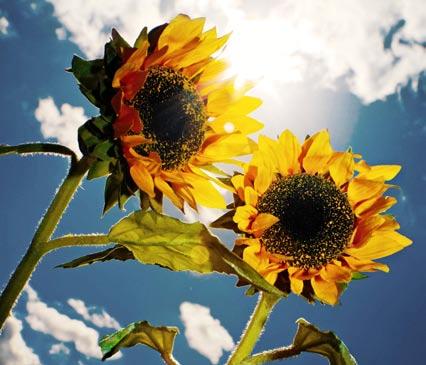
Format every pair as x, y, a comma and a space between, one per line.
340, 74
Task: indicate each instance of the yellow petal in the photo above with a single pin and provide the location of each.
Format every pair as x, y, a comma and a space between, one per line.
289, 153
203, 51
250, 196
251, 255
180, 31
316, 152
381, 245
374, 206
262, 222
265, 175
270, 272
364, 265
204, 192
142, 179
244, 216
342, 168
326, 291
228, 123
296, 285
383, 172
365, 229
245, 105
238, 182
212, 69
134, 63
361, 189
165, 188
224, 147
335, 273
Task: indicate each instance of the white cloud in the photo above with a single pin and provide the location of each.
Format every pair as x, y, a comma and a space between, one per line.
13, 349
61, 33
291, 48
204, 333
62, 123
4, 25
50, 321
285, 41
59, 348
98, 319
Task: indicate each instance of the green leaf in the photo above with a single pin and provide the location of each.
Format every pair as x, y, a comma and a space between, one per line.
160, 339
165, 241
115, 253
310, 339
42, 148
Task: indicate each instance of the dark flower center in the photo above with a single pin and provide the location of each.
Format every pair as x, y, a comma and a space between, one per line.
173, 116
316, 220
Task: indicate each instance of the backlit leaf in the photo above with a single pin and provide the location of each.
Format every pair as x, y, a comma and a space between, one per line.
160, 339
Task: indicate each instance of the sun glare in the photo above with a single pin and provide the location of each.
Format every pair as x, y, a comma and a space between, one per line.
270, 50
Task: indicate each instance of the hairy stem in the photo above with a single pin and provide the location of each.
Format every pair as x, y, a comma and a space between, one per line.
77, 240
47, 226
254, 328
271, 355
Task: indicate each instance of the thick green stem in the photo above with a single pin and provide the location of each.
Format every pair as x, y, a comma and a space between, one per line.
44, 231
254, 328
271, 355
77, 240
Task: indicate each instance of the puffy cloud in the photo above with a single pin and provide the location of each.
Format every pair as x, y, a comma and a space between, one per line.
98, 319
60, 123
204, 333
50, 321
4, 25
287, 41
59, 348
13, 349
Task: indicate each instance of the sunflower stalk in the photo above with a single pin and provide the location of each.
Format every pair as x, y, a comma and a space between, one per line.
271, 355
254, 329
38, 247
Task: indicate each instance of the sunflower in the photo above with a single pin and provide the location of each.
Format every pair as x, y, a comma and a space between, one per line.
175, 116
312, 217
171, 112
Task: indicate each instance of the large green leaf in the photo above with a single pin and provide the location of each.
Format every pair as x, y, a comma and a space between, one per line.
165, 241
310, 339
160, 339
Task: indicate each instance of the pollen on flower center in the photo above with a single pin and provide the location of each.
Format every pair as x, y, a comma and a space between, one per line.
173, 116
316, 220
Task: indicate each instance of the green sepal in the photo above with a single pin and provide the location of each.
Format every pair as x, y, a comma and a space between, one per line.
115, 253
165, 241
99, 169
95, 131
118, 41
142, 38
358, 276
160, 339
309, 338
